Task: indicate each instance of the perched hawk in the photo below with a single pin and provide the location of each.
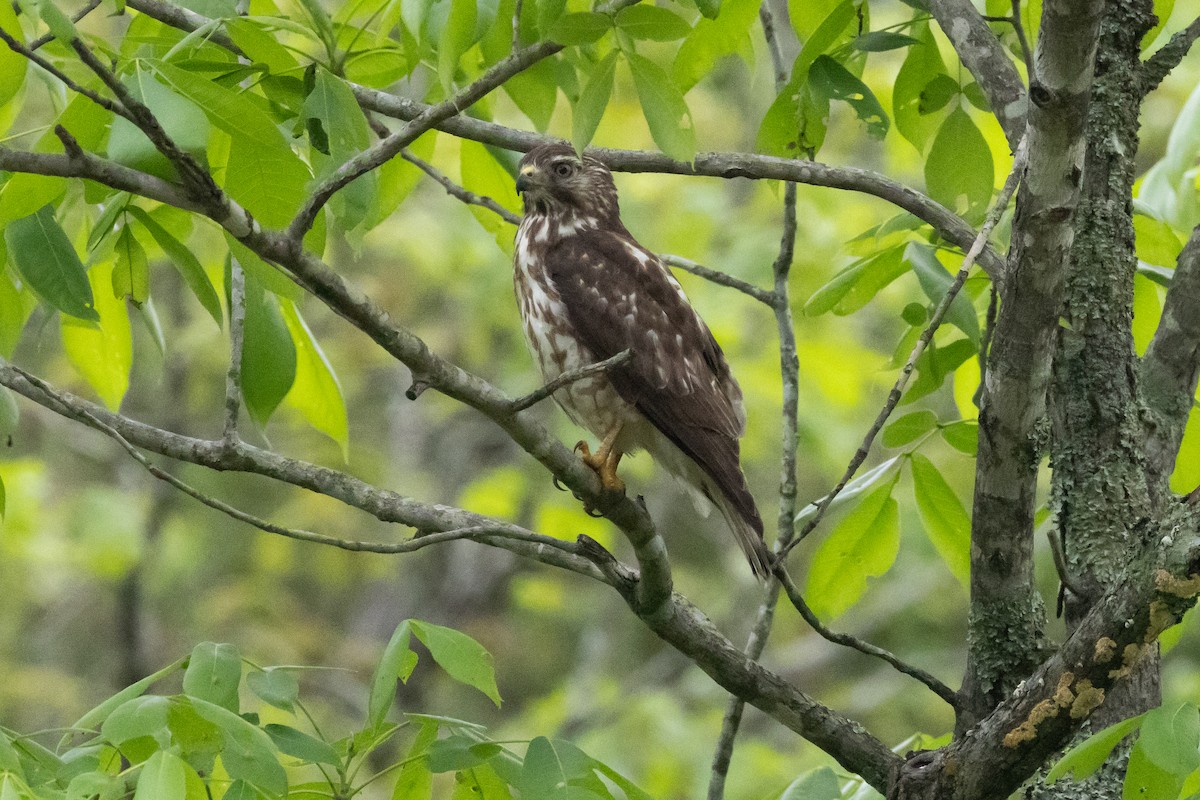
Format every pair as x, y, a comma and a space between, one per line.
587, 291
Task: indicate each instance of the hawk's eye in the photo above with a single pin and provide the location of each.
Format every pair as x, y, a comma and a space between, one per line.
564, 169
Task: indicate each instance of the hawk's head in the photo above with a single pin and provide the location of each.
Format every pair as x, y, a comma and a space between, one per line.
554, 180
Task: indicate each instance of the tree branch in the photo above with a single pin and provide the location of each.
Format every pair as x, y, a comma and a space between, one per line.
463, 194
987, 60
1171, 365
720, 278
567, 378
1167, 57
429, 117
28, 52
237, 331
384, 505
846, 640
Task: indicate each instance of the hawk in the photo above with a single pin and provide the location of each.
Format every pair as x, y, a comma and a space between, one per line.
588, 291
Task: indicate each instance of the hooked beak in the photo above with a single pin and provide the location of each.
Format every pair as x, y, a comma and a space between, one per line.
525, 178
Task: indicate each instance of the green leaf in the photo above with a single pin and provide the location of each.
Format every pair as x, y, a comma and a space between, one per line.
275, 686
935, 282
59, 23
213, 674
1146, 780
248, 752
921, 66
14, 311
711, 9
838, 83
958, 171
857, 284
13, 65
484, 175
101, 712
101, 351
712, 39
41, 252
664, 108
817, 784
935, 365
391, 663
579, 28
163, 777
131, 272
332, 104
463, 658
299, 744
880, 41
1156, 241
535, 92
135, 718
863, 545
937, 94
268, 354
315, 392
542, 774
415, 781
909, 428
458, 752
947, 523
585, 117
794, 125
397, 178
183, 260
962, 436
262, 173
652, 22
457, 37
1170, 738
182, 120
1086, 757
835, 26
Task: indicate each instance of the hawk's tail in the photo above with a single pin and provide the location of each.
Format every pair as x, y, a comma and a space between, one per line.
747, 531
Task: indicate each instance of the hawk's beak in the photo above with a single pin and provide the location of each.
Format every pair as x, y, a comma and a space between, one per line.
525, 178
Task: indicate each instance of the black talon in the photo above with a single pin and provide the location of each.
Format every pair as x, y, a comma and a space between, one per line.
557, 483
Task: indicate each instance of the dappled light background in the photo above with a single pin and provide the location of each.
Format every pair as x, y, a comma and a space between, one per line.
108, 574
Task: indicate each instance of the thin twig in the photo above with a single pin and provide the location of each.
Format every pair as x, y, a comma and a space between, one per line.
780, 301
195, 177
1019, 26
522, 403
46, 38
939, 313
108, 105
936, 686
67, 407
516, 37
382, 151
462, 193
720, 278
237, 330
1060, 561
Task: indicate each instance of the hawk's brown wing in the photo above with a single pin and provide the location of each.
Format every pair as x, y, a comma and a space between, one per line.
619, 296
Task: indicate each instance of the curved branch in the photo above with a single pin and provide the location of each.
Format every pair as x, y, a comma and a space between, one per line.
719, 278
384, 505
988, 62
460, 192
846, 640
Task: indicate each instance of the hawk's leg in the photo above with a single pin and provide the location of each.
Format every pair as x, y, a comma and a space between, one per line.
605, 460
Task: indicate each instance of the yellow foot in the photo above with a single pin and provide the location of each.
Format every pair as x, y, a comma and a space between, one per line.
603, 464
